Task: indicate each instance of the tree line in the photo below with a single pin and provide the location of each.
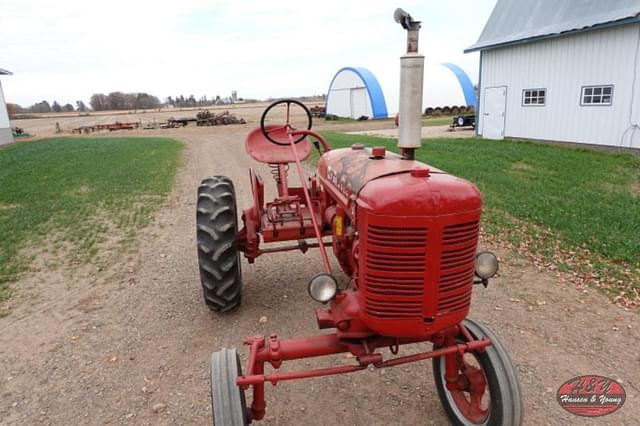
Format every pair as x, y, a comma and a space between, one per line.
45, 106
123, 101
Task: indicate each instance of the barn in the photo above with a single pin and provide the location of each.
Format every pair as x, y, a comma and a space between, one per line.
355, 92
5, 127
561, 71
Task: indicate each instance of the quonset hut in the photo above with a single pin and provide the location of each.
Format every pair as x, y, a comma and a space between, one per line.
355, 92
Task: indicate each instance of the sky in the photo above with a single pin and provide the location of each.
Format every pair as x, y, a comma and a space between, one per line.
66, 50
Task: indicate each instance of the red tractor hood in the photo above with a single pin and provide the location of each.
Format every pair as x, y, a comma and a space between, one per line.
355, 173
350, 169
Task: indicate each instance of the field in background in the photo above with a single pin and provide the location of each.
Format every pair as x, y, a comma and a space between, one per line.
576, 208
64, 197
46, 125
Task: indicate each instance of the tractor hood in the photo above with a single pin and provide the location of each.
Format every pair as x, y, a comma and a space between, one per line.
389, 184
350, 169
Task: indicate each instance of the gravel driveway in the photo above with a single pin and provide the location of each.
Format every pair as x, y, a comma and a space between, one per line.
131, 342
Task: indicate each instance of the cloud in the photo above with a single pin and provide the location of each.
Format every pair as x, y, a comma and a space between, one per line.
67, 50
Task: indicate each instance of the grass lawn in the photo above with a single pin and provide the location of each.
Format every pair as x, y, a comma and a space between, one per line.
577, 207
426, 121
437, 121
65, 196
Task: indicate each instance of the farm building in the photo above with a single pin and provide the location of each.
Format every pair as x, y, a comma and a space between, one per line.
561, 71
5, 127
355, 92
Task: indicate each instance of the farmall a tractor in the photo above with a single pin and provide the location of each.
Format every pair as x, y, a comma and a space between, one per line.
404, 232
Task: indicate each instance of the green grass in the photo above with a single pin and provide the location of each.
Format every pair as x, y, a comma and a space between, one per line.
65, 196
563, 198
436, 121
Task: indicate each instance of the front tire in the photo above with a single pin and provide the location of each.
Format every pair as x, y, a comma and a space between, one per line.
504, 405
228, 403
218, 257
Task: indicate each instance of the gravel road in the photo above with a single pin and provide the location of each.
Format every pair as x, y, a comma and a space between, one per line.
130, 343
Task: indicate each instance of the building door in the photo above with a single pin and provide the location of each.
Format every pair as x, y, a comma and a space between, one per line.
358, 102
494, 111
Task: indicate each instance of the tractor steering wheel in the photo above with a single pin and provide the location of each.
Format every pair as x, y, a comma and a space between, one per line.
283, 130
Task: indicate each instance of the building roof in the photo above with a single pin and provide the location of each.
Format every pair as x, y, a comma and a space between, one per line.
5, 72
520, 21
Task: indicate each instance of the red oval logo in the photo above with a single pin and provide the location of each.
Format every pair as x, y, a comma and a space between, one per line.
591, 396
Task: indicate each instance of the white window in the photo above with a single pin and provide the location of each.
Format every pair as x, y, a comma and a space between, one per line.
597, 95
534, 97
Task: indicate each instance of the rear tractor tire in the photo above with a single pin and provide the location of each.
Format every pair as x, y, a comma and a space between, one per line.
218, 257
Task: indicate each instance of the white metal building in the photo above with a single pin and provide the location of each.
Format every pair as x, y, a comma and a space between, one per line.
562, 71
5, 127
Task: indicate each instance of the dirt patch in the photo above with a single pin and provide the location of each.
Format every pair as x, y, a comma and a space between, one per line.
108, 345
427, 132
5, 207
521, 166
80, 191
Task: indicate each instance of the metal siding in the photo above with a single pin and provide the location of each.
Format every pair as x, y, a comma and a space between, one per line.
6, 136
4, 116
562, 66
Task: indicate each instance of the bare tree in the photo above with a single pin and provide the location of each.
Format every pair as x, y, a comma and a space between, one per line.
99, 102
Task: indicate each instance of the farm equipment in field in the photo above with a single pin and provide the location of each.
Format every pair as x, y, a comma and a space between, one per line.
206, 118
179, 122
118, 126
17, 131
468, 120
405, 233
110, 127
318, 111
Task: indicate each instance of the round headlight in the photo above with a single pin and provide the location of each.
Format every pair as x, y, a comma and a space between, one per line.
486, 265
322, 287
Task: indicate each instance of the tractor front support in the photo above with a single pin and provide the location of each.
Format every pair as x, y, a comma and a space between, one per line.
274, 351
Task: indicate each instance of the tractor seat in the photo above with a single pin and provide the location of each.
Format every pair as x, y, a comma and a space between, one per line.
264, 151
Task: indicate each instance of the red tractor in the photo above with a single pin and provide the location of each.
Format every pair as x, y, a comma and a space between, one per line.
404, 232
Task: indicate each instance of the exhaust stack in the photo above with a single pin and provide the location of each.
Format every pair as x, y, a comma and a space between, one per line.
411, 78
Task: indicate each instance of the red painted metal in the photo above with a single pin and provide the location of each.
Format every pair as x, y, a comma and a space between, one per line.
294, 375
314, 220
378, 152
325, 146
262, 150
298, 213
405, 233
274, 352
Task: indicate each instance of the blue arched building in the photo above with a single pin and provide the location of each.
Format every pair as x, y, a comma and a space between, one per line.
355, 92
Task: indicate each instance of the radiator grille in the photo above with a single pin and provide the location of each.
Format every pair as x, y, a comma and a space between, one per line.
395, 271
457, 265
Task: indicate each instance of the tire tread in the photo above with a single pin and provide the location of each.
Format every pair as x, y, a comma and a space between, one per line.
218, 258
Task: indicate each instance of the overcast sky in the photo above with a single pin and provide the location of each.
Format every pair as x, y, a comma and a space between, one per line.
67, 50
